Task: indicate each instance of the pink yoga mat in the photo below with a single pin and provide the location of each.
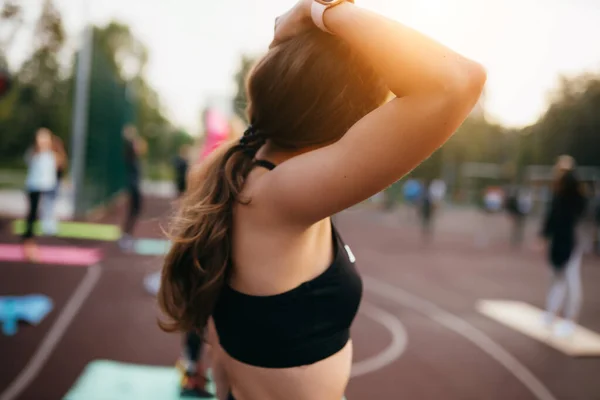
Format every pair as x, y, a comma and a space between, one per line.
53, 255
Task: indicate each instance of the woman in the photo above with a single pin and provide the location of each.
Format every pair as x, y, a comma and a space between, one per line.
564, 249
49, 221
255, 256
41, 179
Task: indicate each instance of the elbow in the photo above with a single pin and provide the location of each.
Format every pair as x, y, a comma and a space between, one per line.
464, 84
476, 78
469, 82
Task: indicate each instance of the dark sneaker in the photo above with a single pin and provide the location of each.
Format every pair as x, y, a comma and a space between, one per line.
191, 387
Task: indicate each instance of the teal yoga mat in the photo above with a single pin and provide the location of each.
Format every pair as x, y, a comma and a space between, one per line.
111, 380
151, 247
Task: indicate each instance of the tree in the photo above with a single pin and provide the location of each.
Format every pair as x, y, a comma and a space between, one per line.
127, 58
41, 91
571, 125
240, 101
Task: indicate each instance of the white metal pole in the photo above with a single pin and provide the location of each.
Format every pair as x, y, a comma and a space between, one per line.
80, 118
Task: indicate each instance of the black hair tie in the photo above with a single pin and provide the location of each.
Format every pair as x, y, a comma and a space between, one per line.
249, 137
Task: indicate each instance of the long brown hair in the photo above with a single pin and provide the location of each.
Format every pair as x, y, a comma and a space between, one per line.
58, 147
307, 91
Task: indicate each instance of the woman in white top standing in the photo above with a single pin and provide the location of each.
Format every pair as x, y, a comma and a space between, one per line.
41, 179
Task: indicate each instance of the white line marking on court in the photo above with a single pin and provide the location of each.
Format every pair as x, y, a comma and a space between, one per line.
390, 353
463, 328
53, 337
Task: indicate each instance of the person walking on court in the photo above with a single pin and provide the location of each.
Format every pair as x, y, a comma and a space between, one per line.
432, 197
255, 256
596, 211
134, 148
519, 202
180, 168
49, 219
41, 179
565, 249
427, 210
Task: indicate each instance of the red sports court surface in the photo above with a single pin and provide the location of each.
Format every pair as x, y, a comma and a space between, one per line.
418, 335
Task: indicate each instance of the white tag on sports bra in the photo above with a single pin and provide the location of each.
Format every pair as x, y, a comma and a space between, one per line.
350, 254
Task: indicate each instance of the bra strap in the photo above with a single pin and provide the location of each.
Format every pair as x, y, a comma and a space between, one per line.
265, 164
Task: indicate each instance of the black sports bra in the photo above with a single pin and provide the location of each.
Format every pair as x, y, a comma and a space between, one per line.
299, 327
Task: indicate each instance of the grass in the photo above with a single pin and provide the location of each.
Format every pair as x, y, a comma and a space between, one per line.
12, 178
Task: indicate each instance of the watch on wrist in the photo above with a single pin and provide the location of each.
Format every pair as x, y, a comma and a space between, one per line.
318, 9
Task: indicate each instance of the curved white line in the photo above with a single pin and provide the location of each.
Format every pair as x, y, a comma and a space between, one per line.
463, 328
390, 353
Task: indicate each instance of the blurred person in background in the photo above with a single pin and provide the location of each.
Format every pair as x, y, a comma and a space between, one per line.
492, 200
593, 194
41, 179
427, 207
565, 247
216, 131
49, 218
412, 191
255, 257
180, 169
432, 197
134, 148
438, 190
597, 218
519, 203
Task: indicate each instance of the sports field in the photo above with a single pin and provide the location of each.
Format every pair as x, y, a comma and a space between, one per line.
419, 334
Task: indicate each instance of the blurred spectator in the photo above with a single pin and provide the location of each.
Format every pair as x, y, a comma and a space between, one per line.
519, 203
597, 218
492, 202
426, 208
565, 247
432, 194
216, 131
41, 179
181, 166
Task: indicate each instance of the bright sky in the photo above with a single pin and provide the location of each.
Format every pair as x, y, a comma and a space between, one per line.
195, 45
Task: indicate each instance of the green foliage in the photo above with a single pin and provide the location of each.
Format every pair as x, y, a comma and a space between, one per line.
571, 125
41, 93
240, 101
127, 58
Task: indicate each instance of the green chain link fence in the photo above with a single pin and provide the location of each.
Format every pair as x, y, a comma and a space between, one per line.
110, 108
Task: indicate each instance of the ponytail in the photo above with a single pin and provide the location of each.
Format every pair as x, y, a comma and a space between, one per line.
199, 261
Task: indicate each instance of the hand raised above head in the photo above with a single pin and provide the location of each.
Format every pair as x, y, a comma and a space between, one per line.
293, 22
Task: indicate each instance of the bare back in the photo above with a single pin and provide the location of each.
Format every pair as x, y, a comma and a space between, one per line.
270, 258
